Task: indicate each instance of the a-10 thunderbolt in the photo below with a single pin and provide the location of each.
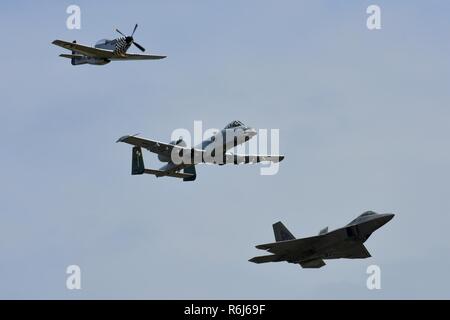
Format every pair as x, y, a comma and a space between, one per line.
181, 160
346, 242
105, 51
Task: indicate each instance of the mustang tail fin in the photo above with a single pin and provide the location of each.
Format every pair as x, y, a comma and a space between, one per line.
137, 161
281, 232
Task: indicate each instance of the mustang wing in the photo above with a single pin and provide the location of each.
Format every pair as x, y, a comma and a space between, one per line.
134, 56
86, 50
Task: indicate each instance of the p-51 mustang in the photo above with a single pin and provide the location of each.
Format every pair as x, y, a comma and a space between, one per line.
104, 51
179, 157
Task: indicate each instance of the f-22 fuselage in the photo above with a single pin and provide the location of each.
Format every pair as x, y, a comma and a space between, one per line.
346, 242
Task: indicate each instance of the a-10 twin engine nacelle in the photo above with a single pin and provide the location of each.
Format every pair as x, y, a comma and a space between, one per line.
180, 142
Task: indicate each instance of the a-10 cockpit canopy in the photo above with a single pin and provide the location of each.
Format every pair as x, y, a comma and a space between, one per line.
234, 124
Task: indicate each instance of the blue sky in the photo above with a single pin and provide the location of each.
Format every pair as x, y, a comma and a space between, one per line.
364, 124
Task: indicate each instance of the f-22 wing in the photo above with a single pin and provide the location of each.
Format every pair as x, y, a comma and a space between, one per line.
283, 247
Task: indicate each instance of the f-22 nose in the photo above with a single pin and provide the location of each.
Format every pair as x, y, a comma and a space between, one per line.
386, 217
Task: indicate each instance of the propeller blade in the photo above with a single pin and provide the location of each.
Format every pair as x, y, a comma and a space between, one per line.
139, 46
120, 32
135, 27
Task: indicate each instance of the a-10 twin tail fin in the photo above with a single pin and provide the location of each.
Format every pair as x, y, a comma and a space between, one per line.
138, 167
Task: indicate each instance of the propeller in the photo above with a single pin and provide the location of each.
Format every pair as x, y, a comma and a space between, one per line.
130, 39
134, 30
139, 46
120, 32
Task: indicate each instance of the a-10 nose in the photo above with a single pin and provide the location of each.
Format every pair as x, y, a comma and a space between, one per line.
250, 132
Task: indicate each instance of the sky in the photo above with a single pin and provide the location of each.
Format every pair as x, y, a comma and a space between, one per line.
364, 125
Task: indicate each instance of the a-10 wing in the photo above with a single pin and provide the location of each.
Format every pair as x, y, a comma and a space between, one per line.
154, 146
241, 159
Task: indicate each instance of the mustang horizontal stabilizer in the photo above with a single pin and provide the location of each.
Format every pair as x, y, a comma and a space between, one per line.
71, 56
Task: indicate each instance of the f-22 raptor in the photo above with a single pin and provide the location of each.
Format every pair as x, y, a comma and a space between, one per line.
346, 242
